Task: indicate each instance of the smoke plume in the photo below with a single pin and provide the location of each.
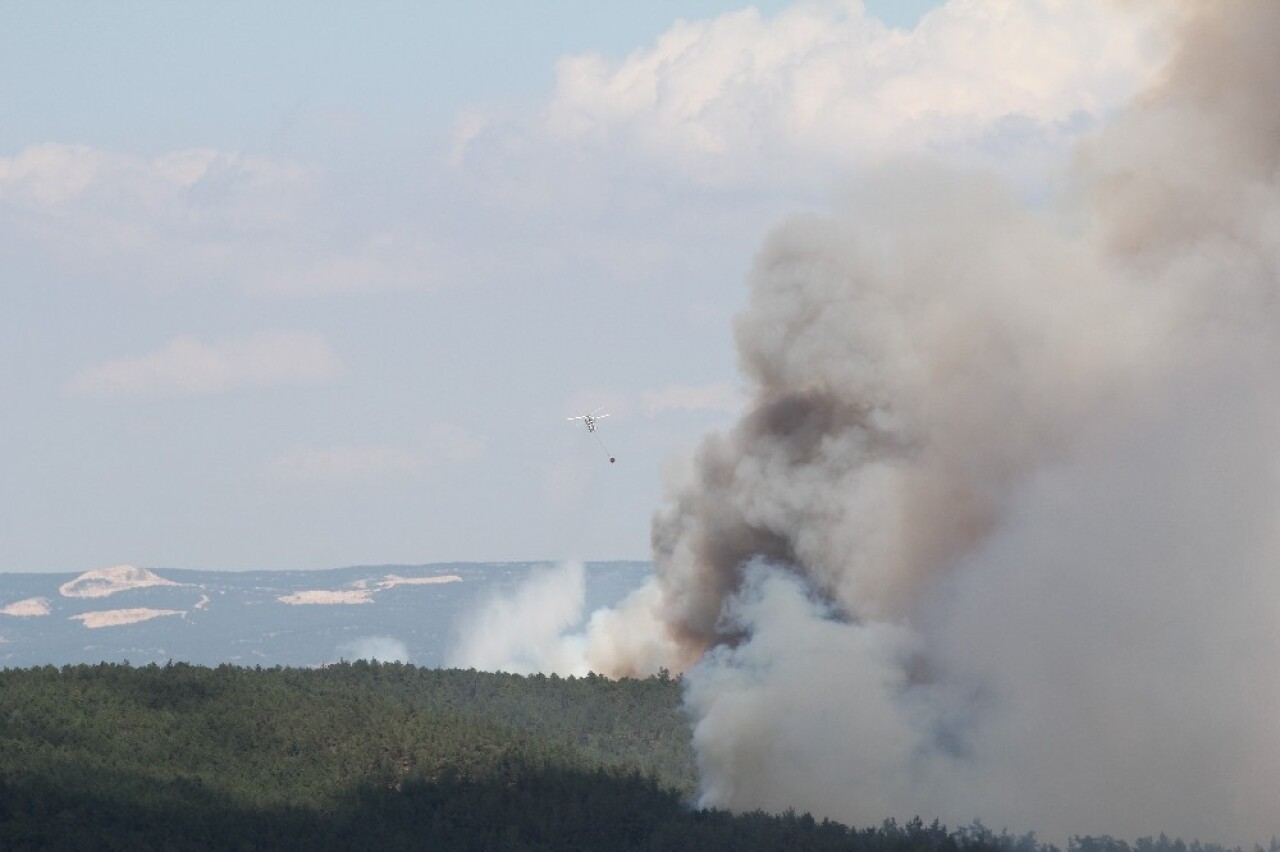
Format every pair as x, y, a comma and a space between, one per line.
997, 536
383, 649
527, 632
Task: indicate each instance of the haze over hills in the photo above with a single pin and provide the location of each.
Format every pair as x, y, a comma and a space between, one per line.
405, 613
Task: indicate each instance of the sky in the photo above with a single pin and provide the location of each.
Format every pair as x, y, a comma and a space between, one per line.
305, 285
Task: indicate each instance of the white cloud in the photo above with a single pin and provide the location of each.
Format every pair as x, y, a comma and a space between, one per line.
790, 102
201, 215
187, 367
48, 175
177, 193
822, 86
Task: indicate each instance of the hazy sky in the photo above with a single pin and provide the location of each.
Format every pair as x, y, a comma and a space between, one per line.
301, 285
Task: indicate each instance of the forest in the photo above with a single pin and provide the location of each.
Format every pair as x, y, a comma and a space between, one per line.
389, 756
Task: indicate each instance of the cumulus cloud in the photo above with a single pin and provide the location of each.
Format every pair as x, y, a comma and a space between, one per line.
822, 86
187, 367
659, 162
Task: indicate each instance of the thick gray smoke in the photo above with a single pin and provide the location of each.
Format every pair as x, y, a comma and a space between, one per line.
1000, 534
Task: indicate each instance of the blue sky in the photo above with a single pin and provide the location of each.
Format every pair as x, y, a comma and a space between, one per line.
302, 285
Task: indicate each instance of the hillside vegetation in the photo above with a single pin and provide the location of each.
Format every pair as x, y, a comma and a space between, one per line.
388, 756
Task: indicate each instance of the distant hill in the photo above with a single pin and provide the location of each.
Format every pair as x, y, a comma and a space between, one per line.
403, 613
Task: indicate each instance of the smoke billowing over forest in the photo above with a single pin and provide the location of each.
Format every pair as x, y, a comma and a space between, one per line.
997, 535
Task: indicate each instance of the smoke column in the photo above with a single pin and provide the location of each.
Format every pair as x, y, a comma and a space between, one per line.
997, 537
530, 630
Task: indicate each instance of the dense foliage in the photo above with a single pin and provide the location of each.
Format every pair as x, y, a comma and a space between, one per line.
388, 756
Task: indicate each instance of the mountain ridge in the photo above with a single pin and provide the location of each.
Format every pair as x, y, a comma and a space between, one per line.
405, 613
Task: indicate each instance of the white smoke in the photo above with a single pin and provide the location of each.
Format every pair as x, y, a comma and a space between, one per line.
741, 694
383, 649
528, 631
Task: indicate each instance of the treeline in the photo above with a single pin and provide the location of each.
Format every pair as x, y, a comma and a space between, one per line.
387, 756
